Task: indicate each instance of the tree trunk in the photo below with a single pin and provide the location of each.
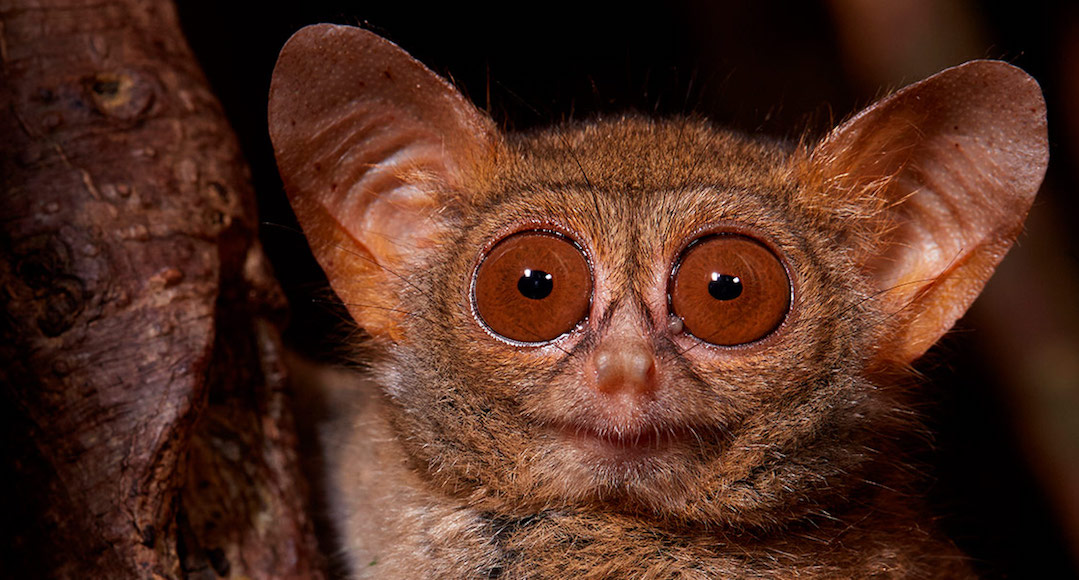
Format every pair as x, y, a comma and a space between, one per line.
144, 417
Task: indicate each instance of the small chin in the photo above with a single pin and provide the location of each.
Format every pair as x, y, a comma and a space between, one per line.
653, 468
643, 467
594, 473
627, 447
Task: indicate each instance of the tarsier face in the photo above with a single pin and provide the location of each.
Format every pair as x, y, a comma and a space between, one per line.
639, 344
661, 318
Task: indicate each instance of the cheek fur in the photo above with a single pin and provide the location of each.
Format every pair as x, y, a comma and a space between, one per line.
487, 407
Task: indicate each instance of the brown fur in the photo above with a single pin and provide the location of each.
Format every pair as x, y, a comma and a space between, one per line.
444, 461
789, 428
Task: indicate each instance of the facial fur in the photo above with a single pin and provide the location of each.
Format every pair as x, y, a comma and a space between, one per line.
626, 446
748, 435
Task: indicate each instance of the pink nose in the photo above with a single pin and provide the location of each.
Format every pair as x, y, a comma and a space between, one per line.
626, 367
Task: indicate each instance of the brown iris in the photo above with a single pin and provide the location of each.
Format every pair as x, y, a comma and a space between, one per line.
730, 290
533, 287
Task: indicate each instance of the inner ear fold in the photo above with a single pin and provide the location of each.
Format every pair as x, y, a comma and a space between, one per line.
371, 146
951, 166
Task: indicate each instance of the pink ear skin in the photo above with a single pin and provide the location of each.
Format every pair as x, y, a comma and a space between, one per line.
370, 144
952, 164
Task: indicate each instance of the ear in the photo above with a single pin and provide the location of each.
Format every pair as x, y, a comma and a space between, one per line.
372, 147
951, 165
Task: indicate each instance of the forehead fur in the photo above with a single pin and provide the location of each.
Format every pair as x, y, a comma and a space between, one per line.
635, 154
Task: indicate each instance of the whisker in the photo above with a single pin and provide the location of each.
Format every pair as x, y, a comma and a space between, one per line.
284, 228
400, 277
679, 139
577, 160
390, 309
396, 242
689, 89
521, 100
366, 258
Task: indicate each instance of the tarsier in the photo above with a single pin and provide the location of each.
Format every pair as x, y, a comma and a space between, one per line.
638, 348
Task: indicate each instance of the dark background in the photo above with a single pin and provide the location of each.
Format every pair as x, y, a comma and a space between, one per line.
780, 68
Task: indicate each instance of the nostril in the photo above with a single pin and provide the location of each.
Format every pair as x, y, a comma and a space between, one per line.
641, 366
629, 369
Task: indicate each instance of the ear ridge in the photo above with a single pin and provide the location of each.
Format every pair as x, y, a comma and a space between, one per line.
947, 169
371, 145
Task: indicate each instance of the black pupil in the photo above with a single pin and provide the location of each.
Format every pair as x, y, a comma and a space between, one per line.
535, 284
723, 287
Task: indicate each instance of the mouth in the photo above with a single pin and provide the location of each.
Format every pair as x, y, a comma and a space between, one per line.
631, 442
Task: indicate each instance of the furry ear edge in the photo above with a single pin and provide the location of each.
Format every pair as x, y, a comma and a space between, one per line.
371, 145
949, 166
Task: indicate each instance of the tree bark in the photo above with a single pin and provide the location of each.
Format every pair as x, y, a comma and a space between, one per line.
144, 417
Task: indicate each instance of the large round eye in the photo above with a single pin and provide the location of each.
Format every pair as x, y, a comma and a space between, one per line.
730, 290
533, 287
